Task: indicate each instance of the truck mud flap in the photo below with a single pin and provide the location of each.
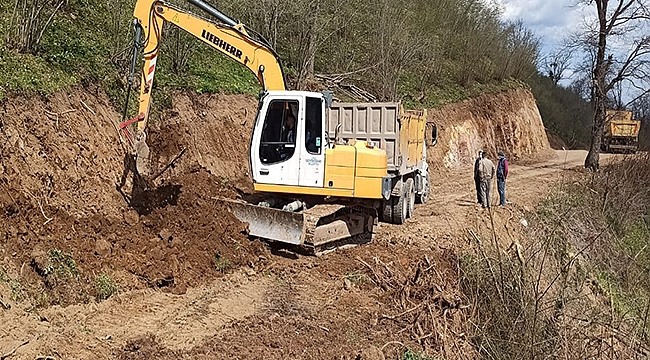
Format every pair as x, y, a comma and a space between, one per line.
268, 223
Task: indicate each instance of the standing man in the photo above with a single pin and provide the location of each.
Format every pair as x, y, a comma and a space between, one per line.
502, 175
486, 172
477, 177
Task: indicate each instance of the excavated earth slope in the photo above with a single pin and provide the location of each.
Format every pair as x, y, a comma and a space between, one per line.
61, 161
508, 121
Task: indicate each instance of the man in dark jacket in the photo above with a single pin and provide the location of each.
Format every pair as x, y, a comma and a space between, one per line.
502, 175
477, 178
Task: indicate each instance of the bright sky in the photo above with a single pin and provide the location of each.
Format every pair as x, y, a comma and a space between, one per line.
550, 20
554, 20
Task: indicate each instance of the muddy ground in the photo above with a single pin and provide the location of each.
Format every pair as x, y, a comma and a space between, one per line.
184, 280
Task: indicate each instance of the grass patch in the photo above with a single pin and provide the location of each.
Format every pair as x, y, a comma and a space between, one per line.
17, 291
105, 287
450, 92
3, 275
357, 278
61, 264
28, 73
414, 355
221, 263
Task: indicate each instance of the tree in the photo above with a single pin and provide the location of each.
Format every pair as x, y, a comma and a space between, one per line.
557, 63
617, 20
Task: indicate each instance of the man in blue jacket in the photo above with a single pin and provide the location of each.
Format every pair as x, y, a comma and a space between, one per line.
477, 177
502, 175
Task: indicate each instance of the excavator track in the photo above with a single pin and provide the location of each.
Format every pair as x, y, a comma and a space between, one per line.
331, 227
315, 231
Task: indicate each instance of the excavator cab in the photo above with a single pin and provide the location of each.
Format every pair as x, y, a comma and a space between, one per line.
287, 145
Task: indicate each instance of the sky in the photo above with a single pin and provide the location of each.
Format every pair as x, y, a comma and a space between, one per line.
550, 20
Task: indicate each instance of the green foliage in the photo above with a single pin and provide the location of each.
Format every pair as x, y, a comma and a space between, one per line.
211, 74
3, 275
17, 291
357, 278
105, 286
422, 52
29, 73
413, 355
61, 264
221, 263
438, 96
563, 111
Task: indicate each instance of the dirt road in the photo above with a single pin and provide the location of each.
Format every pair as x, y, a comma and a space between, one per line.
304, 308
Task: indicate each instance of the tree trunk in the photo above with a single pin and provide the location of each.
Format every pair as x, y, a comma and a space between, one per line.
600, 93
593, 157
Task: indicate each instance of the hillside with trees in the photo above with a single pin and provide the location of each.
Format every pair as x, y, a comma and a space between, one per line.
416, 51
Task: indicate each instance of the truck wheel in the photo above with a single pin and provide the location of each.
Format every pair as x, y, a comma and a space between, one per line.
423, 196
409, 191
400, 208
387, 210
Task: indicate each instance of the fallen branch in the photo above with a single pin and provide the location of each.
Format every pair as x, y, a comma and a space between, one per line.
88, 107
47, 219
380, 284
5, 356
324, 328
5, 305
391, 343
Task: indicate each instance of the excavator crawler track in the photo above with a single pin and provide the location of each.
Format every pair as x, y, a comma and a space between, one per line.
315, 231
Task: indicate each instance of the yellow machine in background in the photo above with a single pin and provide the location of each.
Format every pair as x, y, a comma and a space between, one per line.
621, 133
306, 150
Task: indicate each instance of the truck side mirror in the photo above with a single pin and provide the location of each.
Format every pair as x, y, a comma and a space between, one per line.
434, 135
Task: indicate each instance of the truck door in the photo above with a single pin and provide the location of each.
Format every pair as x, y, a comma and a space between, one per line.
312, 151
275, 154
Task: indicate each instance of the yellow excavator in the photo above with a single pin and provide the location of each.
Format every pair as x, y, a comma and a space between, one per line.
326, 171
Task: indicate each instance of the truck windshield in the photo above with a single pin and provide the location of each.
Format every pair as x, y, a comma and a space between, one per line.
278, 141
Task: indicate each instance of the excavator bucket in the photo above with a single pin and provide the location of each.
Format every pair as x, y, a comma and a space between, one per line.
268, 223
142, 159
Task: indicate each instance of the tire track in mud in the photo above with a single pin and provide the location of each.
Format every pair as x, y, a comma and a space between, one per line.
178, 321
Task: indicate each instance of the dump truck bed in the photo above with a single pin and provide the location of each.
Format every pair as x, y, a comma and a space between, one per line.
398, 132
621, 133
619, 123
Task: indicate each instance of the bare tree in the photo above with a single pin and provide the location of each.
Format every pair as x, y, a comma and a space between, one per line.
28, 22
621, 20
557, 63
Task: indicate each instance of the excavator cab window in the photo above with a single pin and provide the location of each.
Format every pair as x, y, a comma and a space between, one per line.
314, 130
278, 141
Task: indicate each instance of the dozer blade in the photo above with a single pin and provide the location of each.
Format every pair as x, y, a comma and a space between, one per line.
269, 223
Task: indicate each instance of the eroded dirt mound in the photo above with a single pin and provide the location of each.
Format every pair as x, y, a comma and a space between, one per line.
508, 122
215, 129
192, 240
69, 234
62, 153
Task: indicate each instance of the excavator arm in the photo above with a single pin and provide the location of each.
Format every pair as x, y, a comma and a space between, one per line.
228, 37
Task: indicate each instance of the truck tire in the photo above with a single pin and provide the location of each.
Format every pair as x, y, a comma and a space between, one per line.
423, 196
387, 210
409, 191
400, 207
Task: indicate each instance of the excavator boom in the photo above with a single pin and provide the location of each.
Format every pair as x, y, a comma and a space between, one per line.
228, 37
